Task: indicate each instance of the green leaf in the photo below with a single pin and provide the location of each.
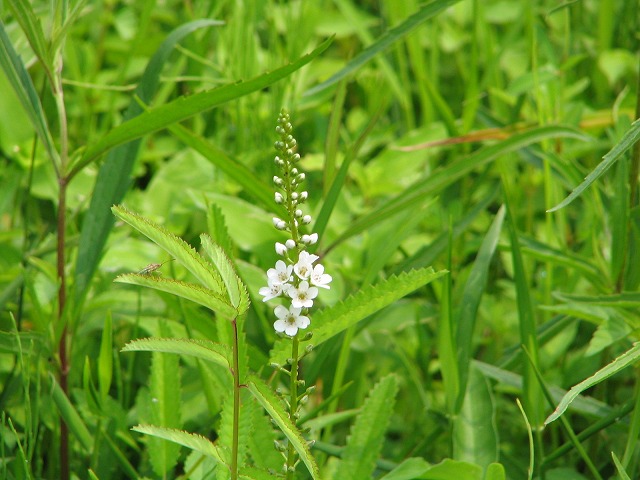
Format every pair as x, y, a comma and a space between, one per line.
165, 407
32, 28
203, 296
236, 290
331, 321
409, 469
265, 396
175, 246
475, 437
495, 471
204, 349
473, 290
619, 363
71, 416
366, 437
619, 467
389, 38
105, 359
448, 469
114, 176
25, 91
628, 140
190, 440
184, 107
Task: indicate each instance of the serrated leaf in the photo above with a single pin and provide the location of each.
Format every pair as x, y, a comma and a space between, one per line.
175, 246
190, 440
200, 295
367, 434
204, 349
235, 288
263, 393
331, 321
164, 387
619, 363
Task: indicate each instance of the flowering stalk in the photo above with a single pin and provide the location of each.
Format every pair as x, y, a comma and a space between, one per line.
297, 276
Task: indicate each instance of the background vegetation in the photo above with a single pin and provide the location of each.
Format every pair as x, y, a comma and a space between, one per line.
432, 135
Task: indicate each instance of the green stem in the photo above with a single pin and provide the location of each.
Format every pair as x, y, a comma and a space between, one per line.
236, 402
293, 406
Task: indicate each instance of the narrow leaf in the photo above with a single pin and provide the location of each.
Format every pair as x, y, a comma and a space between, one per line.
473, 290
262, 392
185, 107
389, 38
190, 440
367, 435
200, 295
331, 321
71, 416
32, 28
204, 349
23, 86
628, 140
619, 363
105, 359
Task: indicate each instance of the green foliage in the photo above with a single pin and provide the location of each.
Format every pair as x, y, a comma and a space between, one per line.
472, 170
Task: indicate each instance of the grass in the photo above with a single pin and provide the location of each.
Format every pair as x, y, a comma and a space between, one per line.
493, 142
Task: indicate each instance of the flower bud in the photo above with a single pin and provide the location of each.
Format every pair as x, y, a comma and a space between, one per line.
298, 213
313, 238
306, 219
304, 195
279, 198
295, 158
294, 195
300, 178
289, 244
277, 180
281, 249
276, 221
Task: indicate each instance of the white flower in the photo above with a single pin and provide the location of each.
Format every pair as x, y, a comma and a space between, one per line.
273, 290
319, 278
290, 244
303, 295
281, 274
281, 249
290, 320
304, 266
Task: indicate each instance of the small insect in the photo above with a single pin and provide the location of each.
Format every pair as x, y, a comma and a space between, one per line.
152, 267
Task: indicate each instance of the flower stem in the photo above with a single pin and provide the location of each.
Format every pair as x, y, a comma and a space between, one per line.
236, 402
293, 405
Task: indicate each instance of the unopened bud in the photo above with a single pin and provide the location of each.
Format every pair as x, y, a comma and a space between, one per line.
289, 244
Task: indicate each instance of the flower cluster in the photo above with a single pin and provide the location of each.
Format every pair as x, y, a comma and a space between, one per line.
297, 276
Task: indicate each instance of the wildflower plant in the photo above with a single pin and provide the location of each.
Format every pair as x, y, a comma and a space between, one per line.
298, 276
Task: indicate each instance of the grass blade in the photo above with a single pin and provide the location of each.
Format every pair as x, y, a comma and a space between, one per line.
619, 363
473, 290
389, 38
628, 140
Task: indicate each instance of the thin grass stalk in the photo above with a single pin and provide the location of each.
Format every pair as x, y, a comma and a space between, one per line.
634, 171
